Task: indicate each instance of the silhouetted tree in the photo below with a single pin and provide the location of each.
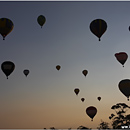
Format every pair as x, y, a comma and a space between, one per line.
120, 119
52, 128
82, 127
103, 125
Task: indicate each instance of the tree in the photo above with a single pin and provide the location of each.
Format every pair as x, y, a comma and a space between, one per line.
52, 128
82, 127
121, 119
103, 125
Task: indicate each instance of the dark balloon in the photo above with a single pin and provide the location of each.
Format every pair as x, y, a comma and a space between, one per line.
124, 87
76, 90
58, 67
121, 57
26, 72
41, 20
6, 26
7, 67
99, 98
91, 112
82, 99
85, 72
98, 27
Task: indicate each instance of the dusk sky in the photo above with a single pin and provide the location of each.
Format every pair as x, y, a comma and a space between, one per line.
46, 97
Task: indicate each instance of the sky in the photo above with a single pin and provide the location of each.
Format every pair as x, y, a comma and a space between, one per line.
46, 98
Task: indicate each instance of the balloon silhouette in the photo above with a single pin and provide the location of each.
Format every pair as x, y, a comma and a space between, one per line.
41, 20
26, 72
58, 67
7, 67
124, 87
91, 112
85, 72
121, 57
6, 26
99, 98
82, 99
76, 90
98, 27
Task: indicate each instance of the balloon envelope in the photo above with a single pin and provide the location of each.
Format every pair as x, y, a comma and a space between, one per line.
98, 27
7, 67
124, 87
26, 72
99, 98
76, 90
121, 57
6, 26
91, 112
58, 67
85, 72
82, 99
41, 20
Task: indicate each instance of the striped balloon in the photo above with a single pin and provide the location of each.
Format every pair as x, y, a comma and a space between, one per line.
98, 27
6, 26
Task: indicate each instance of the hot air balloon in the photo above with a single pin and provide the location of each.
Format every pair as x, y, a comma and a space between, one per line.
85, 72
76, 90
91, 112
99, 98
98, 27
121, 57
58, 67
41, 20
26, 72
82, 99
6, 26
7, 67
124, 87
